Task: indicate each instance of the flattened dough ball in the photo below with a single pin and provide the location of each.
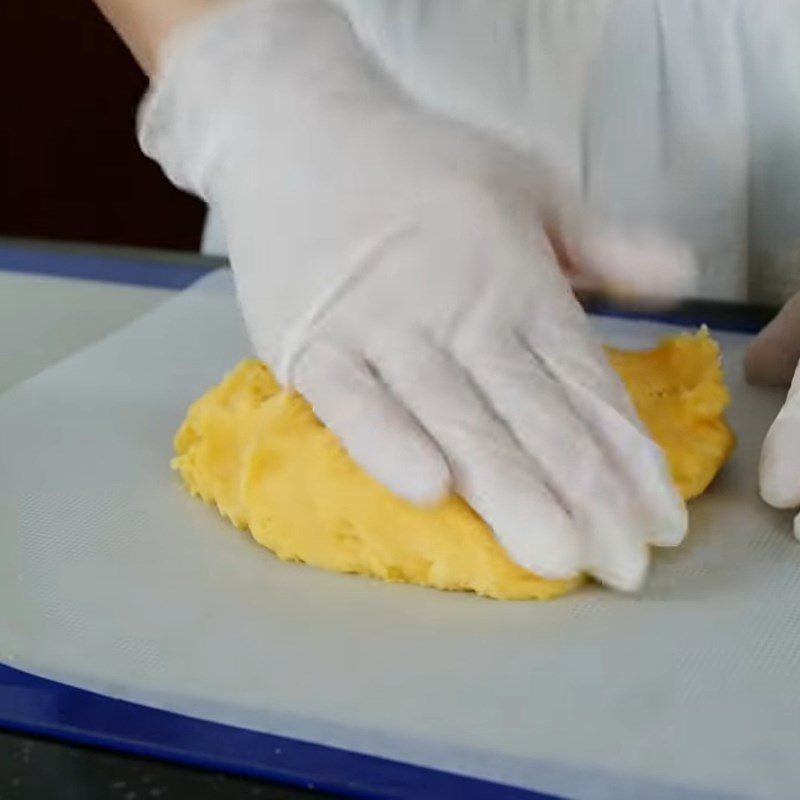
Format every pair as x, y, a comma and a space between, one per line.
263, 459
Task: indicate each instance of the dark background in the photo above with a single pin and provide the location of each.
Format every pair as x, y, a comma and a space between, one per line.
70, 166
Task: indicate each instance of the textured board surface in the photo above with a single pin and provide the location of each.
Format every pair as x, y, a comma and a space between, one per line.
111, 578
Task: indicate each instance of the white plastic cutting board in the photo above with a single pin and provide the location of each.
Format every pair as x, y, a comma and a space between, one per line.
113, 579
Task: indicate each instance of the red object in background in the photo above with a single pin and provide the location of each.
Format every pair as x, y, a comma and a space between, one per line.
70, 167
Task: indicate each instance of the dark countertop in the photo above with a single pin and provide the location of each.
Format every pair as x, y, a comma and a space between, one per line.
40, 769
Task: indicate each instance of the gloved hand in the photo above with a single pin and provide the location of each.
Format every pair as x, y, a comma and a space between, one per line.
401, 272
772, 360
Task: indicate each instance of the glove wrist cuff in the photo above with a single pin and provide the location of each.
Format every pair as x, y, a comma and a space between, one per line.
253, 66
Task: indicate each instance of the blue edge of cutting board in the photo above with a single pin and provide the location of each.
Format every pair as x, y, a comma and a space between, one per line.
37, 706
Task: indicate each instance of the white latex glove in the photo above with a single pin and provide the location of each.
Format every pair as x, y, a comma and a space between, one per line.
772, 360
399, 271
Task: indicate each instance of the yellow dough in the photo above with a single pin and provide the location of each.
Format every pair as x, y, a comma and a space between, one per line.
260, 455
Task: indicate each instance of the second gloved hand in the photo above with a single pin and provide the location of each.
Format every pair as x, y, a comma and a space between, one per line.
772, 360
400, 271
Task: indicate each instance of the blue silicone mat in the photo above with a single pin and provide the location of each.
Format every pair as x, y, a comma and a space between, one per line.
34, 705
44, 707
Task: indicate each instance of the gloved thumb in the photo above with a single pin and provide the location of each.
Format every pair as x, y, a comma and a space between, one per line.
630, 266
636, 264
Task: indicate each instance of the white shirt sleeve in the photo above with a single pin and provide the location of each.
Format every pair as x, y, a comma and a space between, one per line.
772, 79
678, 115
519, 69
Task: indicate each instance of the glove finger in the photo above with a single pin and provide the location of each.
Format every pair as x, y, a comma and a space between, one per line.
375, 428
638, 460
772, 357
575, 458
558, 331
779, 470
491, 471
642, 465
562, 340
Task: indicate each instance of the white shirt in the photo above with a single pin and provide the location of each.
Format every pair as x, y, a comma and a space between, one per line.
677, 115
